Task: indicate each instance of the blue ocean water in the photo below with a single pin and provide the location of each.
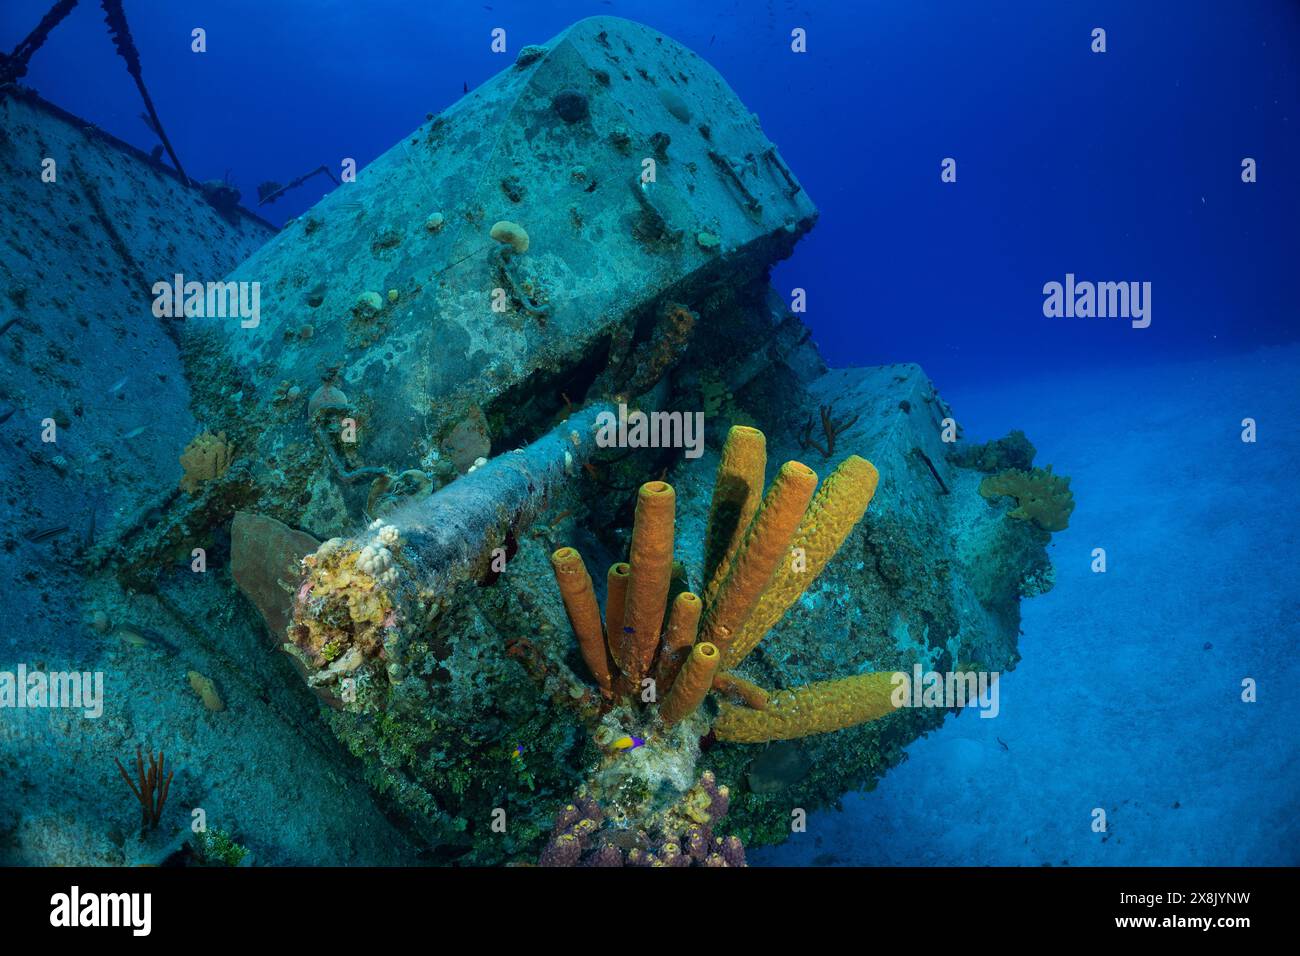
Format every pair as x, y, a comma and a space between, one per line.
1117, 166
1128, 693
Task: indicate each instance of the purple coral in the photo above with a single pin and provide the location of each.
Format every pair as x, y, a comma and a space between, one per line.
579, 837
733, 851
697, 843
719, 797
606, 855
562, 850
571, 836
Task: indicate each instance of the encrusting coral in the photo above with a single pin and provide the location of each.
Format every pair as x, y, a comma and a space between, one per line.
1041, 497
1013, 451
761, 553
359, 599
205, 458
352, 588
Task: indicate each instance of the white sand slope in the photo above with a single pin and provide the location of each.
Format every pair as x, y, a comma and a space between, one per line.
1118, 702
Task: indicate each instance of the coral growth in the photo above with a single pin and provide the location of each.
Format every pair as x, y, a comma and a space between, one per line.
529, 55
150, 787
1041, 497
387, 493
368, 304
207, 691
511, 234
570, 106
327, 396
761, 553
468, 440
217, 848
831, 429
352, 613
1015, 451
205, 458
514, 241
685, 834
667, 344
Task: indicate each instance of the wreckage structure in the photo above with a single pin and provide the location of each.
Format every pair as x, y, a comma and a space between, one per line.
352, 557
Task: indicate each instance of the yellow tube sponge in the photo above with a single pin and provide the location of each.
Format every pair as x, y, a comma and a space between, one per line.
816, 708
765, 548
692, 684
740, 690
584, 614
839, 505
683, 623
737, 492
652, 571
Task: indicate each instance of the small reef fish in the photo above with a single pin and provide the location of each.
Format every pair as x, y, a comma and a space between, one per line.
518, 752
7, 413
628, 743
134, 433
138, 636
44, 534
119, 385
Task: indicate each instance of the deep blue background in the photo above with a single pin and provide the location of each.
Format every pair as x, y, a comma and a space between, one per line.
1122, 166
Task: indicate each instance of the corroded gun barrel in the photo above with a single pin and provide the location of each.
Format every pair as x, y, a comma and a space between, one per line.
360, 595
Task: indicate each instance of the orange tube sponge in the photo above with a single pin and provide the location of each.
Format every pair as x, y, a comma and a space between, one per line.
692, 683
765, 547
740, 690
737, 492
683, 623
615, 598
652, 571
615, 601
811, 709
584, 614
839, 505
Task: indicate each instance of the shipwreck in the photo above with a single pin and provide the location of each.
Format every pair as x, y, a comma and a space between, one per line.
396, 462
